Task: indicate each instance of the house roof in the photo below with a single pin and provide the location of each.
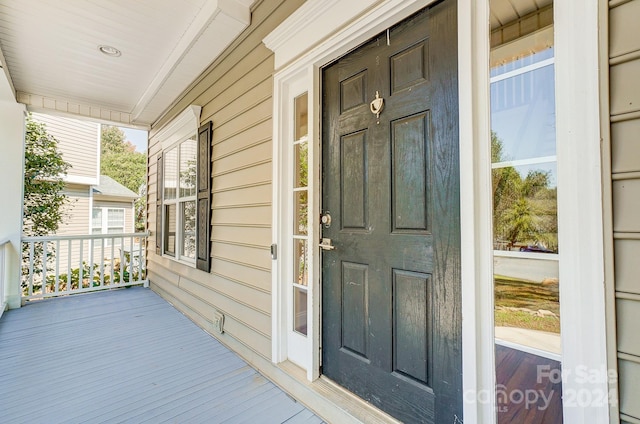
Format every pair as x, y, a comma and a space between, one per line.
157, 49
110, 187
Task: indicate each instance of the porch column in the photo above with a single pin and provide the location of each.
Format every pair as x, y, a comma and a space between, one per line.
11, 187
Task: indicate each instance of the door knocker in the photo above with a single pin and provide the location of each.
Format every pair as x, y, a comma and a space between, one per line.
377, 105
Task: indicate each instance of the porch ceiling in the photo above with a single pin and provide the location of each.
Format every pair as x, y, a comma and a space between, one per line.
506, 11
49, 52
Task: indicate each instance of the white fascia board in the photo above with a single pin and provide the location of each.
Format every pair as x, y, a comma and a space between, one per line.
215, 27
77, 179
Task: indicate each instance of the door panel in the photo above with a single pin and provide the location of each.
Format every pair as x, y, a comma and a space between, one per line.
391, 288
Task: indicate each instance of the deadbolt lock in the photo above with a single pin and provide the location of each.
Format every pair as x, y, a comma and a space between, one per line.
326, 219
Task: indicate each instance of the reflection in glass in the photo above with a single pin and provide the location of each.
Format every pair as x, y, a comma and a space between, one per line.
525, 223
524, 188
525, 212
170, 229
170, 173
523, 108
301, 212
188, 168
301, 262
301, 166
188, 229
300, 105
300, 310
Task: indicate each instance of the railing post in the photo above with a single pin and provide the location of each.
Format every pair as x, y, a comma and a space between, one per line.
3, 269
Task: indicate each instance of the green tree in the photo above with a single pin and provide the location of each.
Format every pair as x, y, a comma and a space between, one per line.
524, 209
112, 140
44, 169
129, 169
120, 161
44, 201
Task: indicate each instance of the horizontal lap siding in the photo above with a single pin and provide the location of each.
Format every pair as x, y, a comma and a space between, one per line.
236, 94
77, 142
76, 222
77, 219
624, 89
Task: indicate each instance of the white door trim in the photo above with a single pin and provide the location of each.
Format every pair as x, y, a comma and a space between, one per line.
580, 218
478, 351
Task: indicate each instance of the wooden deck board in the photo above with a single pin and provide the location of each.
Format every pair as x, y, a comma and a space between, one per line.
127, 356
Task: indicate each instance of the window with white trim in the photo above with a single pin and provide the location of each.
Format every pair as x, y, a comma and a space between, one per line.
183, 196
179, 200
106, 220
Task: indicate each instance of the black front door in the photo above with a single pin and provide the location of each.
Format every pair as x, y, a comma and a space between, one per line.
391, 287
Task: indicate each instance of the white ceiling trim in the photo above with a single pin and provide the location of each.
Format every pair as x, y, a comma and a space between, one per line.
37, 103
215, 27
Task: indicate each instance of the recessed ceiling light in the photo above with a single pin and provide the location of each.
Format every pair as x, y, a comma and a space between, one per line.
109, 51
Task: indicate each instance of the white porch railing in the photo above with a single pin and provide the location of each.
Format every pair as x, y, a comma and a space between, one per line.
3, 271
62, 265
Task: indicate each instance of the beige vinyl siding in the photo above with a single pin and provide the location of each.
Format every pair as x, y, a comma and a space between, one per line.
76, 222
78, 219
623, 153
236, 94
78, 142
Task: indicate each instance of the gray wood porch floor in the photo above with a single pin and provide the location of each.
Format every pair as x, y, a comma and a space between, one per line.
127, 356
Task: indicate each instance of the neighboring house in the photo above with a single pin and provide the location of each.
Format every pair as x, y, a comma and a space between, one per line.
113, 209
97, 203
321, 198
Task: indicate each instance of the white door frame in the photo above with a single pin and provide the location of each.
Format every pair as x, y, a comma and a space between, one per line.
323, 30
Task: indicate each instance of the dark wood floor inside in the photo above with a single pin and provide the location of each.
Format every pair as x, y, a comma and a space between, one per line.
529, 390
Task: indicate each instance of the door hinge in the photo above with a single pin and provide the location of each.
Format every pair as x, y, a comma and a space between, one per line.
274, 251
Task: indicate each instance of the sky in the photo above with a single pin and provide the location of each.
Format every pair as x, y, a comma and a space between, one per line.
137, 137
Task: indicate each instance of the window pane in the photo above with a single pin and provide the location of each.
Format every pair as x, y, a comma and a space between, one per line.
301, 262
170, 173
96, 218
115, 218
523, 113
300, 310
188, 167
170, 229
301, 165
301, 212
525, 211
188, 211
300, 105
525, 223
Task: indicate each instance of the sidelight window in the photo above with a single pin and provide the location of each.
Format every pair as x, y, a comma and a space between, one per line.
300, 203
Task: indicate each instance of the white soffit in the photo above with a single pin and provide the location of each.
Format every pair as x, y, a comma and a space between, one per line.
51, 52
506, 11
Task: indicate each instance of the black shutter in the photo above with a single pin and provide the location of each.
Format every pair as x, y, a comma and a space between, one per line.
159, 191
203, 231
